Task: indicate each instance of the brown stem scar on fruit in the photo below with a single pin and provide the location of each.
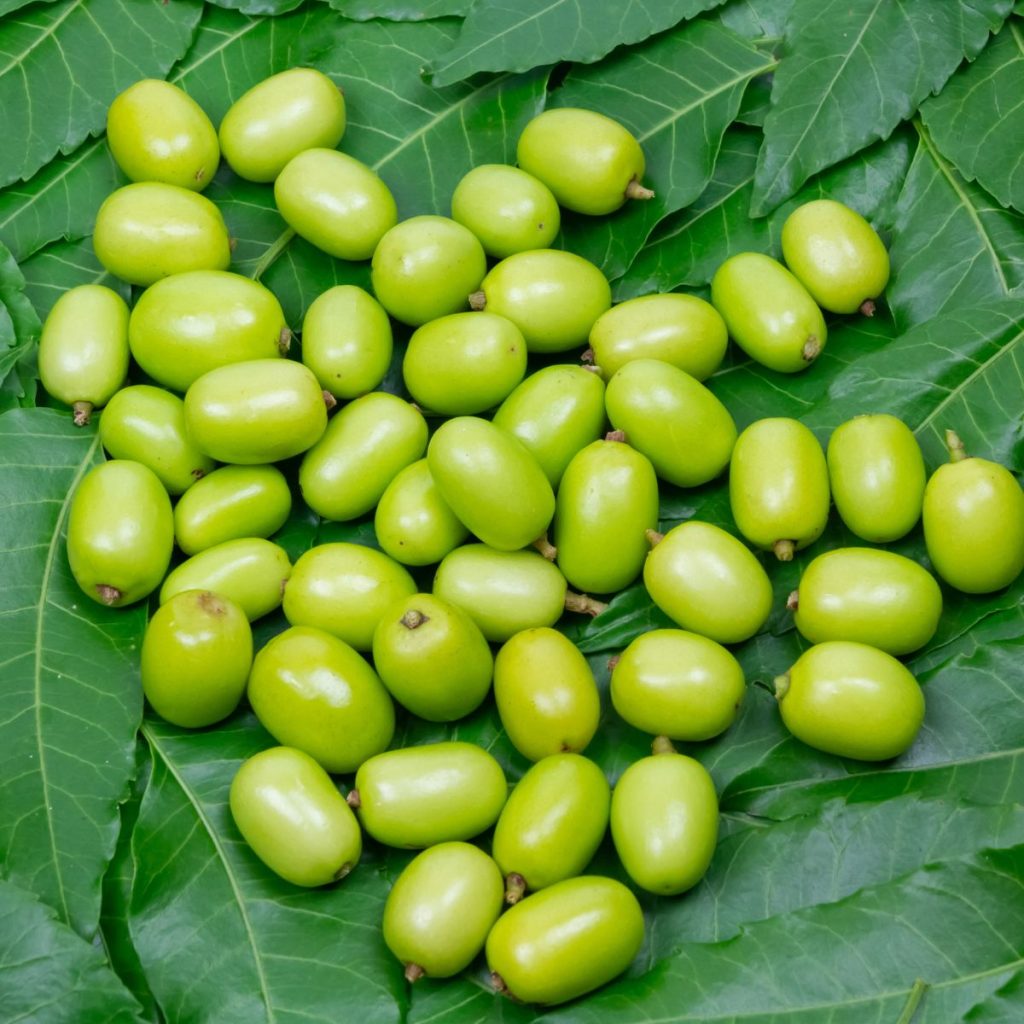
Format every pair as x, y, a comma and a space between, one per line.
546, 548
211, 603
613, 661
343, 871
478, 301
284, 340
653, 537
662, 745
634, 190
867, 307
811, 349
499, 983
593, 368
353, 799
583, 604
515, 888
784, 550
329, 400
82, 411
588, 356
793, 601
413, 973
616, 435
107, 594
413, 619
198, 473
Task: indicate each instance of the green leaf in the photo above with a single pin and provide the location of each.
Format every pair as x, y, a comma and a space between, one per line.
401, 10
271, 7
757, 19
62, 265
9, 6
852, 72
71, 699
19, 332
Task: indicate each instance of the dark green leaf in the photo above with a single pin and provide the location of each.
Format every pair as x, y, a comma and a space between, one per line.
401, 10
19, 331
9, 6
757, 19
271, 7
62, 265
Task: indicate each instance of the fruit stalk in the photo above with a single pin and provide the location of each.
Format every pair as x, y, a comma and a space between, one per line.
584, 605
955, 447
82, 411
515, 888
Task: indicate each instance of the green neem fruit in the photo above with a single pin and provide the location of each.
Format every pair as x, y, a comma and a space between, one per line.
196, 657
278, 118
974, 522
335, 202
874, 597
188, 324
83, 348
566, 940
345, 589
441, 908
346, 341
837, 256
682, 330
149, 230
413, 523
147, 425
363, 449
591, 163
852, 700
778, 486
292, 815
464, 363
664, 820
546, 694
509, 210
492, 483
254, 412
503, 592
231, 503
313, 692
433, 658
877, 476
552, 296
677, 684
607, 501
552, 825
709, 582
427, 267
419, 796
673, 419
157, 132
769, 313
120, 532
250, 571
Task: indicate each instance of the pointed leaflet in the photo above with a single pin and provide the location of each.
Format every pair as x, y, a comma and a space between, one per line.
19, 332
853, 69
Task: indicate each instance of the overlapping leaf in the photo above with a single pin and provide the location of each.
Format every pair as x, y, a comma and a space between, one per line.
62, 265
401, 10
19, 331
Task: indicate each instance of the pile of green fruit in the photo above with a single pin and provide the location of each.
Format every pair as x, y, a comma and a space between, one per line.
475, 497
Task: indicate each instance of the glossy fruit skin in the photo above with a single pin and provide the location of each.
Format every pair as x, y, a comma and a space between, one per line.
566, 940
669, 682
664, 822
874, 597
426, 267
437, 793
441, 908
778, 484
148, 231
553, 822
230, 503
413, 523
278, 118
313, 692
836, 255
188, 324
545, 693
464, 363
345, 589
852, 700
673, 419
196, 656
554, 413
363, 449
679, 329
433, 658
255, 412
346, 341
585, 158
509, 210
769, 313
335, 202
504, 592
292, 815
83, 347
607, 501
147, 425
250, 571
552, 296
877, 476
974, 525
120, 532
709, 582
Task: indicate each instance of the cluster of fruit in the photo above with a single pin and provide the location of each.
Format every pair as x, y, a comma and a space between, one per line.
220, 338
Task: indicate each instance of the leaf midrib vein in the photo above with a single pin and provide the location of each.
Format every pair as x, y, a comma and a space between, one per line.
19, 58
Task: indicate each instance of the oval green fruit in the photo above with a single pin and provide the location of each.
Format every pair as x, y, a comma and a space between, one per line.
292, 815
420, 796
440, 909
313, 692
852, 700
566, 940
196, 656
769, 313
